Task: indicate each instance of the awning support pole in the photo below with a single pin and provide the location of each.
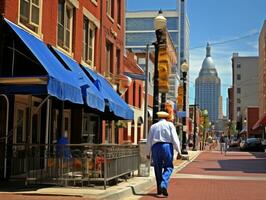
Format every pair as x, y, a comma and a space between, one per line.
6, 136
47, 130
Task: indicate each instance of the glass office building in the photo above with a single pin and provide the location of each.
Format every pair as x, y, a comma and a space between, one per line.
140, 32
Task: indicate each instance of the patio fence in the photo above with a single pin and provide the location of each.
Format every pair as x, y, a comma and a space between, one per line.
73, 164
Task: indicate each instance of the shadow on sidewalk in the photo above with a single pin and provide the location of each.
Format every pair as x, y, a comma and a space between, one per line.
244, 165
19, 186
143, 194
259, 154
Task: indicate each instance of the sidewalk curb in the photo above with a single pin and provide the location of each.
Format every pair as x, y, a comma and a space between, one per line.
131, 189
185, 163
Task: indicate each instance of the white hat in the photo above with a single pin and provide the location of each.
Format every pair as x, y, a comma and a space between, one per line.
162, 114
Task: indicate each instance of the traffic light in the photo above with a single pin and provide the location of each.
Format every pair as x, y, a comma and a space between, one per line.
169, 108
163, 70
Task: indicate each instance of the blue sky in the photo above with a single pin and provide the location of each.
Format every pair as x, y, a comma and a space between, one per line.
216, 21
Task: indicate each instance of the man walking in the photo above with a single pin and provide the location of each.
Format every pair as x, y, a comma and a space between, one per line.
161, 141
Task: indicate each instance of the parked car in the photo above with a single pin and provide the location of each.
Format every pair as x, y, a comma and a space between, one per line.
251, 144
234, 142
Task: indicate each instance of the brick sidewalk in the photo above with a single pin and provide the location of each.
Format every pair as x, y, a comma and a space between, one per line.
191, 189
237, 165
233, 164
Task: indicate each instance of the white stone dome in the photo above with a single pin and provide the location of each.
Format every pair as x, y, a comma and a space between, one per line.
208, 66
208, 63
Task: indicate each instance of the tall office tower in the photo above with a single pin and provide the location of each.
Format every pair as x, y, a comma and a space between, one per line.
140, 31
208, 87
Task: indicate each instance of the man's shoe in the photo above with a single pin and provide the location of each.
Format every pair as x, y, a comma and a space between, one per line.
164, 191
159, 191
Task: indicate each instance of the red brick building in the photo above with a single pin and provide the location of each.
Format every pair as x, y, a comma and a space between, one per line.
252, 118
90, 33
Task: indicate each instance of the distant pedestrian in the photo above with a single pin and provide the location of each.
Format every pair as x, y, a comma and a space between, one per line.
223, 145
210, 142
161, 141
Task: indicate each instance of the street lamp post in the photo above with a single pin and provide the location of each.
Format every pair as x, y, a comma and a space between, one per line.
195, 127
184, 69
159, 25
205, 115
245, 128
229, 129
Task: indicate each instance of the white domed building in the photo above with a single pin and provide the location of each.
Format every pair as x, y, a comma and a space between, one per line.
208, 87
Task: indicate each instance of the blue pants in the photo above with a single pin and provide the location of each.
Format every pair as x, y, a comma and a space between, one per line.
162, 155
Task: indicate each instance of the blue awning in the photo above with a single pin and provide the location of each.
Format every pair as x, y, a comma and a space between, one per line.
62, 83
115, 103
94, 98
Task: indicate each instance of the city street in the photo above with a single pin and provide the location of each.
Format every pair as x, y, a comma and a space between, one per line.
238, 175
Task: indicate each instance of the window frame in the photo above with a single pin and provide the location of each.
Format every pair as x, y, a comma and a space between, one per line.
110, 9
86, 44
28, 19
119, 13
67, 7
109, 58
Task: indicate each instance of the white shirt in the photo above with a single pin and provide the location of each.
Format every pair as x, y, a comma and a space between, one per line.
163, 131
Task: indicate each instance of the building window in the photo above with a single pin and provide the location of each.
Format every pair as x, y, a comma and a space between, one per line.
238, 109
64, 25
118, 61
89, 31
119, 12
30, 14
238, 76
238, 65
109, 56
140, 97
134, 93
110, 8
238, 100
238, 90
127, 96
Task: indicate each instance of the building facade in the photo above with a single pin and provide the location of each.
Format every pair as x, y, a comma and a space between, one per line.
136, 90
262, 70
245, 85
208, 87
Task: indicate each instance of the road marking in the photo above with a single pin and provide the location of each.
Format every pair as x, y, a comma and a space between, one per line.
216, 177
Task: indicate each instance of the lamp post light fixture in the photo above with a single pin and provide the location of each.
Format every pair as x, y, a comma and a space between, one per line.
184, 69
160, 26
